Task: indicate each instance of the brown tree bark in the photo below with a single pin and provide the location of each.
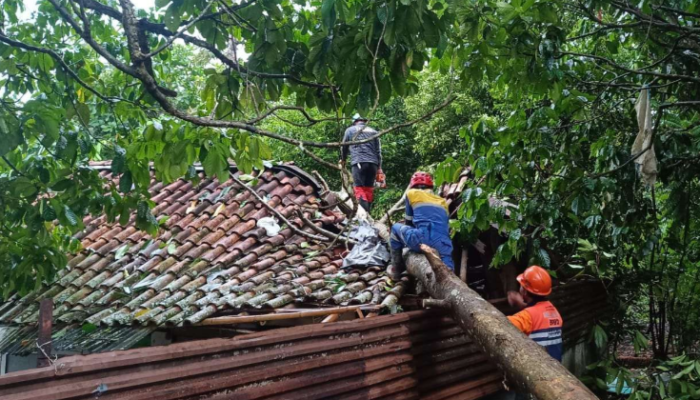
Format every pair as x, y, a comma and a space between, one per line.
525, 363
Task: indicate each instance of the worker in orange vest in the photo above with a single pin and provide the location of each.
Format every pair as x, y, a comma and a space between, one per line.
540, 320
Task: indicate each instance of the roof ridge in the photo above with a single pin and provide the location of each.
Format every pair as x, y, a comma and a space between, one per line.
288, 167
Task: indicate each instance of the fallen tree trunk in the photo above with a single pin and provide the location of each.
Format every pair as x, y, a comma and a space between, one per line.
525, 363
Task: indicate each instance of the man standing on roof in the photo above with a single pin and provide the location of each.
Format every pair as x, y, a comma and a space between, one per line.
366, 160
540, 320
427, 222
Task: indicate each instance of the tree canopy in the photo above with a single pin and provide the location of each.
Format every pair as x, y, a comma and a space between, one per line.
536, 97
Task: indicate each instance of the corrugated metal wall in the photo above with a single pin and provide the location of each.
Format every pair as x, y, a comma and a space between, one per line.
419, 354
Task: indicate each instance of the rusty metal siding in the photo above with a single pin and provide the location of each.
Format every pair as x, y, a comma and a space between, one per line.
403, 355
414, 355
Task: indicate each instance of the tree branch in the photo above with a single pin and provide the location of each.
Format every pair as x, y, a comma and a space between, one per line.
172, 38
160, 29
131, 27
64, 65
301, 110
321, 231
676, 11
276, 213
87, 37
374, 62
690, 103
11, 165
605, 28
632, 71
654, 20
395, 208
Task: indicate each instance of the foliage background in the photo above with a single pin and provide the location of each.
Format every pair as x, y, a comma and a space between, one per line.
540, 101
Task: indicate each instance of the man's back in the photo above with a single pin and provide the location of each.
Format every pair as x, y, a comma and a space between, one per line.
543, 324
424, 209
369, 152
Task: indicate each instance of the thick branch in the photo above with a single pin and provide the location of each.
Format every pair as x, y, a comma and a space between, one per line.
87, 37
139, 70
676, 11
162, 30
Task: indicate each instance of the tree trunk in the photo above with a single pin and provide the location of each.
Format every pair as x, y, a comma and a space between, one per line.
525, 363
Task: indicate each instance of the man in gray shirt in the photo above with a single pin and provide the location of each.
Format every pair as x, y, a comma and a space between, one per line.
365, 160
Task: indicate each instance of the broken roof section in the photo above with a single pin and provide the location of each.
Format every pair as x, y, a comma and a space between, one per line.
209, 256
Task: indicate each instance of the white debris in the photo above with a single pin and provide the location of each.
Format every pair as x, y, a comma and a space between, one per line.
270, 225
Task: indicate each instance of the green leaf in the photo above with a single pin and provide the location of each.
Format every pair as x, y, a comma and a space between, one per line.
662, 390
119, 160
24, 187
685, 371
543, 256
88, 327
312, 254
600, 337
48, 213
328, 14
9, 139
83, 112
62, 185
215, 164
121, 252
172, 17
575, 205
125, 182
70, 216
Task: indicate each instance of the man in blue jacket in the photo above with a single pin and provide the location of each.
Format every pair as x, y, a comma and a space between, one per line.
427, 222
366, 160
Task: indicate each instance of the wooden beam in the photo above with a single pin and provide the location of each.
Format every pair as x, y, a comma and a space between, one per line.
288, 315
463, 265
330, 318
45, 326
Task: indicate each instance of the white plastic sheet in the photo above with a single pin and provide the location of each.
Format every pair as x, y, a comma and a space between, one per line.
643, 141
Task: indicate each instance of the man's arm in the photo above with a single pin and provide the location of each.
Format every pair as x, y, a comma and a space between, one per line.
409, 212
379, 152
508, 274
522, 321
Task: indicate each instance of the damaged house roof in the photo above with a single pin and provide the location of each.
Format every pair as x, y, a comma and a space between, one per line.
420, 354
209, 256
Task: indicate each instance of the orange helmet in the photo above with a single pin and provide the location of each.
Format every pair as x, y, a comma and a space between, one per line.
536, 280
